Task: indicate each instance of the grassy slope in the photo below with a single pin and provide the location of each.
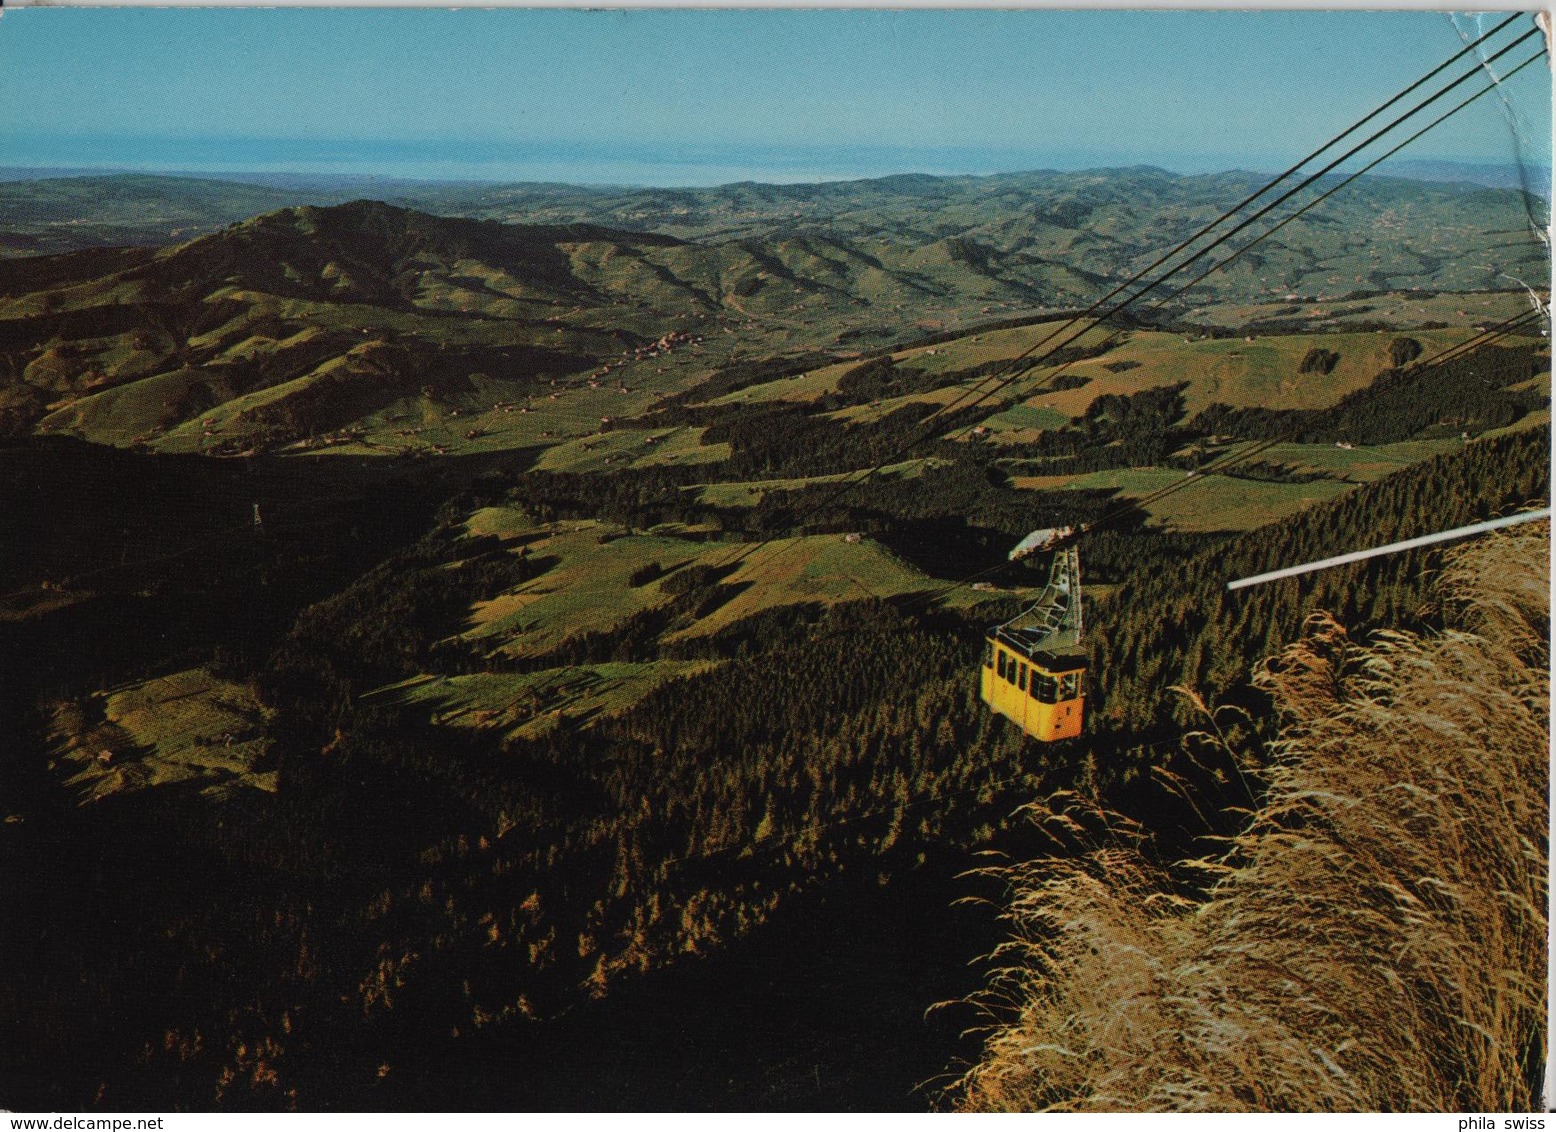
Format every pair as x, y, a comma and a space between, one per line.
186, 728
817, 569
960, 353
530, 704
1401, 309
748, 493
1228, 503
1214, 503
587, 586
1264, 372
633, 448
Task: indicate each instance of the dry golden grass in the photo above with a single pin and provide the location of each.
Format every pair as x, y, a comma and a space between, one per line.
1374, 940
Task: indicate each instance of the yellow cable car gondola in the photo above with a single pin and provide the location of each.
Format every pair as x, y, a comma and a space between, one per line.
1034, 665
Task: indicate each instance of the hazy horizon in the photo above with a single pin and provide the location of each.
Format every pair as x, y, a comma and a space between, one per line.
631, 171
692, 98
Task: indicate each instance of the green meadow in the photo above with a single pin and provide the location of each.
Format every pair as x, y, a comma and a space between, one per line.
188, 728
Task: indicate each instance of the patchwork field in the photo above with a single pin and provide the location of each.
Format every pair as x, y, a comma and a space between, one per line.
1022, 423
188, 728
598, 575
960, 353
633, 448
822, 569
1402, 309
1264, 372
587, 587
1210, 503
748, 493
1361, 464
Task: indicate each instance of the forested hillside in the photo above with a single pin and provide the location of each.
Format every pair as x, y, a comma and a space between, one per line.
415, 881
441, 646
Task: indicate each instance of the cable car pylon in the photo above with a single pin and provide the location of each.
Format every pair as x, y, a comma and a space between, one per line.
1034, 665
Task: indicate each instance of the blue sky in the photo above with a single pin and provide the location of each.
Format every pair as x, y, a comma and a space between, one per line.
700, 96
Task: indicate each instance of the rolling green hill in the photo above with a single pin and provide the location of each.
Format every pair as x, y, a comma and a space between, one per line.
371, 327
900, 238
